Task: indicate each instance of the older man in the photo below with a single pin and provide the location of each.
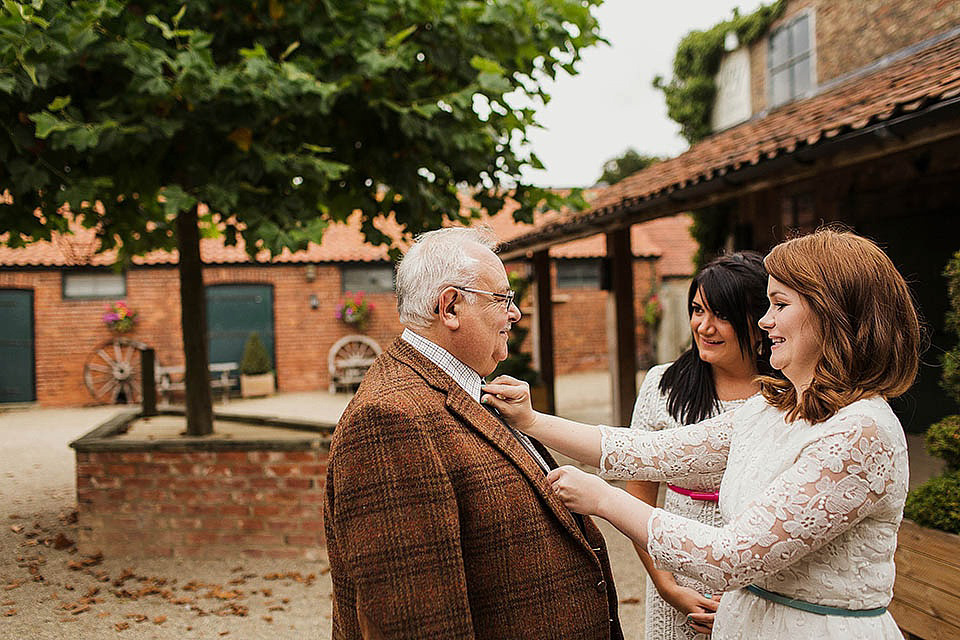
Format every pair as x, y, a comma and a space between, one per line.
439, 521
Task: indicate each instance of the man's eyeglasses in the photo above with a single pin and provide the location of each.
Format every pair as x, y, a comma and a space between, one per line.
506, 298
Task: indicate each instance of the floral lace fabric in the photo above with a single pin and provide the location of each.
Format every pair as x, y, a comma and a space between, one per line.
810, 512
661, 621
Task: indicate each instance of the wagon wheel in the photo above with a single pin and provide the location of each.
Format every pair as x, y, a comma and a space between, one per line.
349, 359
112, 372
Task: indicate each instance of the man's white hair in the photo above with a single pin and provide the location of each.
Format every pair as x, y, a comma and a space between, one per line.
438, 259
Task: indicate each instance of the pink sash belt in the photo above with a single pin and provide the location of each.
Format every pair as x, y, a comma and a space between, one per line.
712, 496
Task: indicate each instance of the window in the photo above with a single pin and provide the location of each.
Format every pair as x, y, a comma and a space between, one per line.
372, 278
578, 273
86, 285
791, 61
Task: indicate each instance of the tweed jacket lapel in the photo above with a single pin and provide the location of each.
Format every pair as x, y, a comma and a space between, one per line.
480, 420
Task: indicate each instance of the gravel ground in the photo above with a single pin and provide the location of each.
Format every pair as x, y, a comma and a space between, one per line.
49, 592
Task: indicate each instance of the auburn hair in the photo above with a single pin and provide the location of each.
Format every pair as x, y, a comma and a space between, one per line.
869, 328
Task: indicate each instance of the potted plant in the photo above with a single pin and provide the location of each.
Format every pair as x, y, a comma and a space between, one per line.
355, 310
256, 370
119, 318
925, 602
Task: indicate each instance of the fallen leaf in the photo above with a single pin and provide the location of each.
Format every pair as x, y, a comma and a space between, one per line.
122, 626
16, 528
137, 617
159, 619
10, 612
267, 618
62, 542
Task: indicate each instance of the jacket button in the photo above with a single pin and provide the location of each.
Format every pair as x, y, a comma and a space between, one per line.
602, 586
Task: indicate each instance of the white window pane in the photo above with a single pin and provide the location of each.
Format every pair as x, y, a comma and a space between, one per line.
779, 48
368, 278
94, 285
800, 32
780, 86
801, 77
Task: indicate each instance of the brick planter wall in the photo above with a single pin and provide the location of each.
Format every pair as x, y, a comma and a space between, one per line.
200, 497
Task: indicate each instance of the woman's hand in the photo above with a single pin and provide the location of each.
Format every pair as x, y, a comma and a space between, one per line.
511, 397
699, 609
580, 491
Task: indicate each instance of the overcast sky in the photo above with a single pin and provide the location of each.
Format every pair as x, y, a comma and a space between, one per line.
611, 104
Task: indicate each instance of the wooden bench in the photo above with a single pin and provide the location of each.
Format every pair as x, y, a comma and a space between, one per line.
171, 379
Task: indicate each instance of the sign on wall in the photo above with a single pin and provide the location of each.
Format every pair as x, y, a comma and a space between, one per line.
732, 103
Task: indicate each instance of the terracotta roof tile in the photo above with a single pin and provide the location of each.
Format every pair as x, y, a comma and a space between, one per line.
904, 85
342, 242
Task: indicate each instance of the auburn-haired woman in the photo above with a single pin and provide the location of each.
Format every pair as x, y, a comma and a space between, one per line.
716, 374
815, 470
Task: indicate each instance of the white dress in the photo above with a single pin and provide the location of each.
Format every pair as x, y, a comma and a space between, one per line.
811, 513
661, 620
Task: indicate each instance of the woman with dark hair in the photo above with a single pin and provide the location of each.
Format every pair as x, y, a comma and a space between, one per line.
814, 470
716, 374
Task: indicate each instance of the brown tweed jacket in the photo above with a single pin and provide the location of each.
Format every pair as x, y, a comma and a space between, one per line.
440, 525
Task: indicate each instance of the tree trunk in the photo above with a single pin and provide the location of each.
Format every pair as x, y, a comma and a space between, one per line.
193, 319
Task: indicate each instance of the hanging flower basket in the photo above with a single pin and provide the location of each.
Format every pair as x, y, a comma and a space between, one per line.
119, 318
355, 310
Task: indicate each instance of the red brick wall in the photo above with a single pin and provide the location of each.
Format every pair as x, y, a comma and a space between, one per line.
208, 503
67, 332
580, 320
851, 34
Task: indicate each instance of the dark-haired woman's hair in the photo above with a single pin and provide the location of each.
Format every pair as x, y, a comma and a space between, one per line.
735, 288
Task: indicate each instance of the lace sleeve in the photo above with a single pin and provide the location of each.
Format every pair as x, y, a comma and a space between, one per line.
836, 482
649, 411
696, 450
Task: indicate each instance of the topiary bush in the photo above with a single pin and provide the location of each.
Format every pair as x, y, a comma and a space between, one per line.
936, 503
256, 360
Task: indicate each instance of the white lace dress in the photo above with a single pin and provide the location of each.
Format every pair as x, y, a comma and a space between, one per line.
811, 513
661, 620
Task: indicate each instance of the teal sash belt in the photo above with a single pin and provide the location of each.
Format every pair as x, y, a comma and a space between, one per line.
821, 609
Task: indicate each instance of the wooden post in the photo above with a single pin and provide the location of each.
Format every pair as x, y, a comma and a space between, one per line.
149, 392
541, 271
624, 351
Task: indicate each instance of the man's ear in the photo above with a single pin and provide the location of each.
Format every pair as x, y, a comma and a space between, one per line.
447, 309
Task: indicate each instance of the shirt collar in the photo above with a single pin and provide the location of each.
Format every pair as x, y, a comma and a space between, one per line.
467, 378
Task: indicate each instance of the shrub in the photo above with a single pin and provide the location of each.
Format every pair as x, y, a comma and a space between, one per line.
943, 441
936, 504
256, 360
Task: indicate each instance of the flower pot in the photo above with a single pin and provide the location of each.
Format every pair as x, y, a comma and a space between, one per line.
261, 384
925, 602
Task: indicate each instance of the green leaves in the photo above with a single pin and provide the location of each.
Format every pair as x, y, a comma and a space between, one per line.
283, 115
691, 91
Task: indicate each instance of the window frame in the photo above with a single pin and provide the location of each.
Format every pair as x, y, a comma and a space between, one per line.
367, 266
65, 275
793, 59
581, 283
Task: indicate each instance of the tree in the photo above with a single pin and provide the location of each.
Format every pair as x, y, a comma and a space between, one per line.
616, 169
281, 116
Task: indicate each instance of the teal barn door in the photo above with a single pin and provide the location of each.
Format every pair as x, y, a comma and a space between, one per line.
16, 346
233, 312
